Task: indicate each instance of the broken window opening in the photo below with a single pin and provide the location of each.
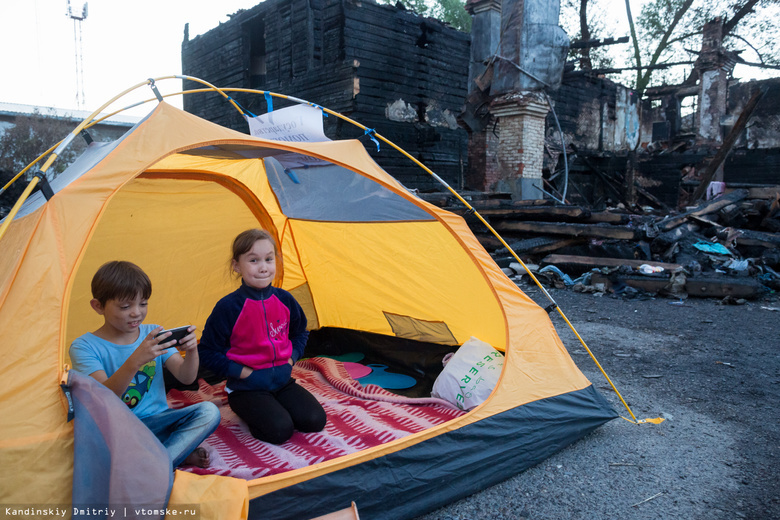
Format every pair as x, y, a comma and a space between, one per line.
255, 31
422, 108
422, 40
688, 108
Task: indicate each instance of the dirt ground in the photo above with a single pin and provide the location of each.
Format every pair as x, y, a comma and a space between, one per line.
712, 371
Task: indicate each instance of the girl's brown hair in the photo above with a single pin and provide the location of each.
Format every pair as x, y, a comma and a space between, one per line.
244, 242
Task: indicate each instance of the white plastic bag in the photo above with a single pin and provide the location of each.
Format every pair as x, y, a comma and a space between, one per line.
470, 375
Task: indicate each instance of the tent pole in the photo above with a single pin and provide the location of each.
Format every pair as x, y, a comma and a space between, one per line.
15, 209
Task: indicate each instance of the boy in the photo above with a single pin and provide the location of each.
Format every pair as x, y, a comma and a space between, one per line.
125, 356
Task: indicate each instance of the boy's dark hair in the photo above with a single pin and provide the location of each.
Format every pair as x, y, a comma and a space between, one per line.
120, 280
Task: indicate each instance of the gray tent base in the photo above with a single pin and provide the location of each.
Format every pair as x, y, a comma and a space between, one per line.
445, 468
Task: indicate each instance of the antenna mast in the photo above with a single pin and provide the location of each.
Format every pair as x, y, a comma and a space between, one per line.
77, 19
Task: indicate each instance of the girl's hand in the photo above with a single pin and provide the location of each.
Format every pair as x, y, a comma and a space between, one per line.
245, 372
291, 362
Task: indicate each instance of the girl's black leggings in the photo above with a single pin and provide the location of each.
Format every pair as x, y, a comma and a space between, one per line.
272, 416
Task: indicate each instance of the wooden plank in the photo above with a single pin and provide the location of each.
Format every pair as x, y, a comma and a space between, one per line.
762, 192
703, 287
703, 209
534, 246
717, 287
444, 93
749, 237
608, 217
530, 212
595, 261
531, 202
576, 230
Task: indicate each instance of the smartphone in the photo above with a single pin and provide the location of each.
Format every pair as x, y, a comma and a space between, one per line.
178, 334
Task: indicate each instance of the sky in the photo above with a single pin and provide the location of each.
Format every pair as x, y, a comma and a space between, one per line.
123, 43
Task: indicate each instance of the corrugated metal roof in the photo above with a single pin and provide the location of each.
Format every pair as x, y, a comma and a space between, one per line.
16, 109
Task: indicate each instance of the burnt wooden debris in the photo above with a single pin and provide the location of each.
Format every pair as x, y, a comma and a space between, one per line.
727, 247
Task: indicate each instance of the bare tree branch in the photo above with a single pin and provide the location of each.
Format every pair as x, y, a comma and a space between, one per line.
760, 57
739, 15
637, 54
662, 45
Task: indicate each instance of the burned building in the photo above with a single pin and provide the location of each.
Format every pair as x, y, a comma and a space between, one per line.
711, 127
386, 68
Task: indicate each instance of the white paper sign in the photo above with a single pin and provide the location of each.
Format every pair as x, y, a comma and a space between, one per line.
297, 124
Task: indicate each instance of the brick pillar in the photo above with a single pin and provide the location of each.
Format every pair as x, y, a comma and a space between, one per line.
483, 142
715, 66
483, 171
715, 70
521, 143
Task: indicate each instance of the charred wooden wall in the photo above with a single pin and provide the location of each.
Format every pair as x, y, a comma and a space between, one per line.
591, 112
388, 69
763, 130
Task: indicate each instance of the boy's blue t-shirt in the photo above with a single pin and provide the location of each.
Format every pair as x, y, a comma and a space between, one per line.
145, 395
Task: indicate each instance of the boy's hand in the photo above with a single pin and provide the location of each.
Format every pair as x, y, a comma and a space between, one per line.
152, 347
188, 343
184, 364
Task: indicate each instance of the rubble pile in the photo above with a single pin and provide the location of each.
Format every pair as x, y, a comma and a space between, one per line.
726, 248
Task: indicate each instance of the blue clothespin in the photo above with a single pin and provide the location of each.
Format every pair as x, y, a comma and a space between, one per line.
370, 133
292, 176
269, 100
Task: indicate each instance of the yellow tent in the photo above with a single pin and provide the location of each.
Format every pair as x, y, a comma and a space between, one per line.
361, 253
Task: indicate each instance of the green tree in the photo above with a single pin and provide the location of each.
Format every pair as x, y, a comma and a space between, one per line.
22, 143
669, 31
452, 12
586, 20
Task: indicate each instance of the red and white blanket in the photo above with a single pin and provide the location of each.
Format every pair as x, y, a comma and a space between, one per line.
358, 418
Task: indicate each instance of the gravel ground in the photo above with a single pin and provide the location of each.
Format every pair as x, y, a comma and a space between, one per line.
712, 371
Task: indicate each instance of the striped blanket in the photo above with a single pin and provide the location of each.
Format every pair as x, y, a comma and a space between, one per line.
358, 418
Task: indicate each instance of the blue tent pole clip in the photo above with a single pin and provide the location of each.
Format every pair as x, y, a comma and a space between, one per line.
315, 105
291, 174
370, 133
239, 106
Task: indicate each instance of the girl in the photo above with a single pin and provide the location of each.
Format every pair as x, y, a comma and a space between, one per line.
254, 336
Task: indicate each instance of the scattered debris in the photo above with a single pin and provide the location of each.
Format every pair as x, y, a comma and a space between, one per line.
726, 248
